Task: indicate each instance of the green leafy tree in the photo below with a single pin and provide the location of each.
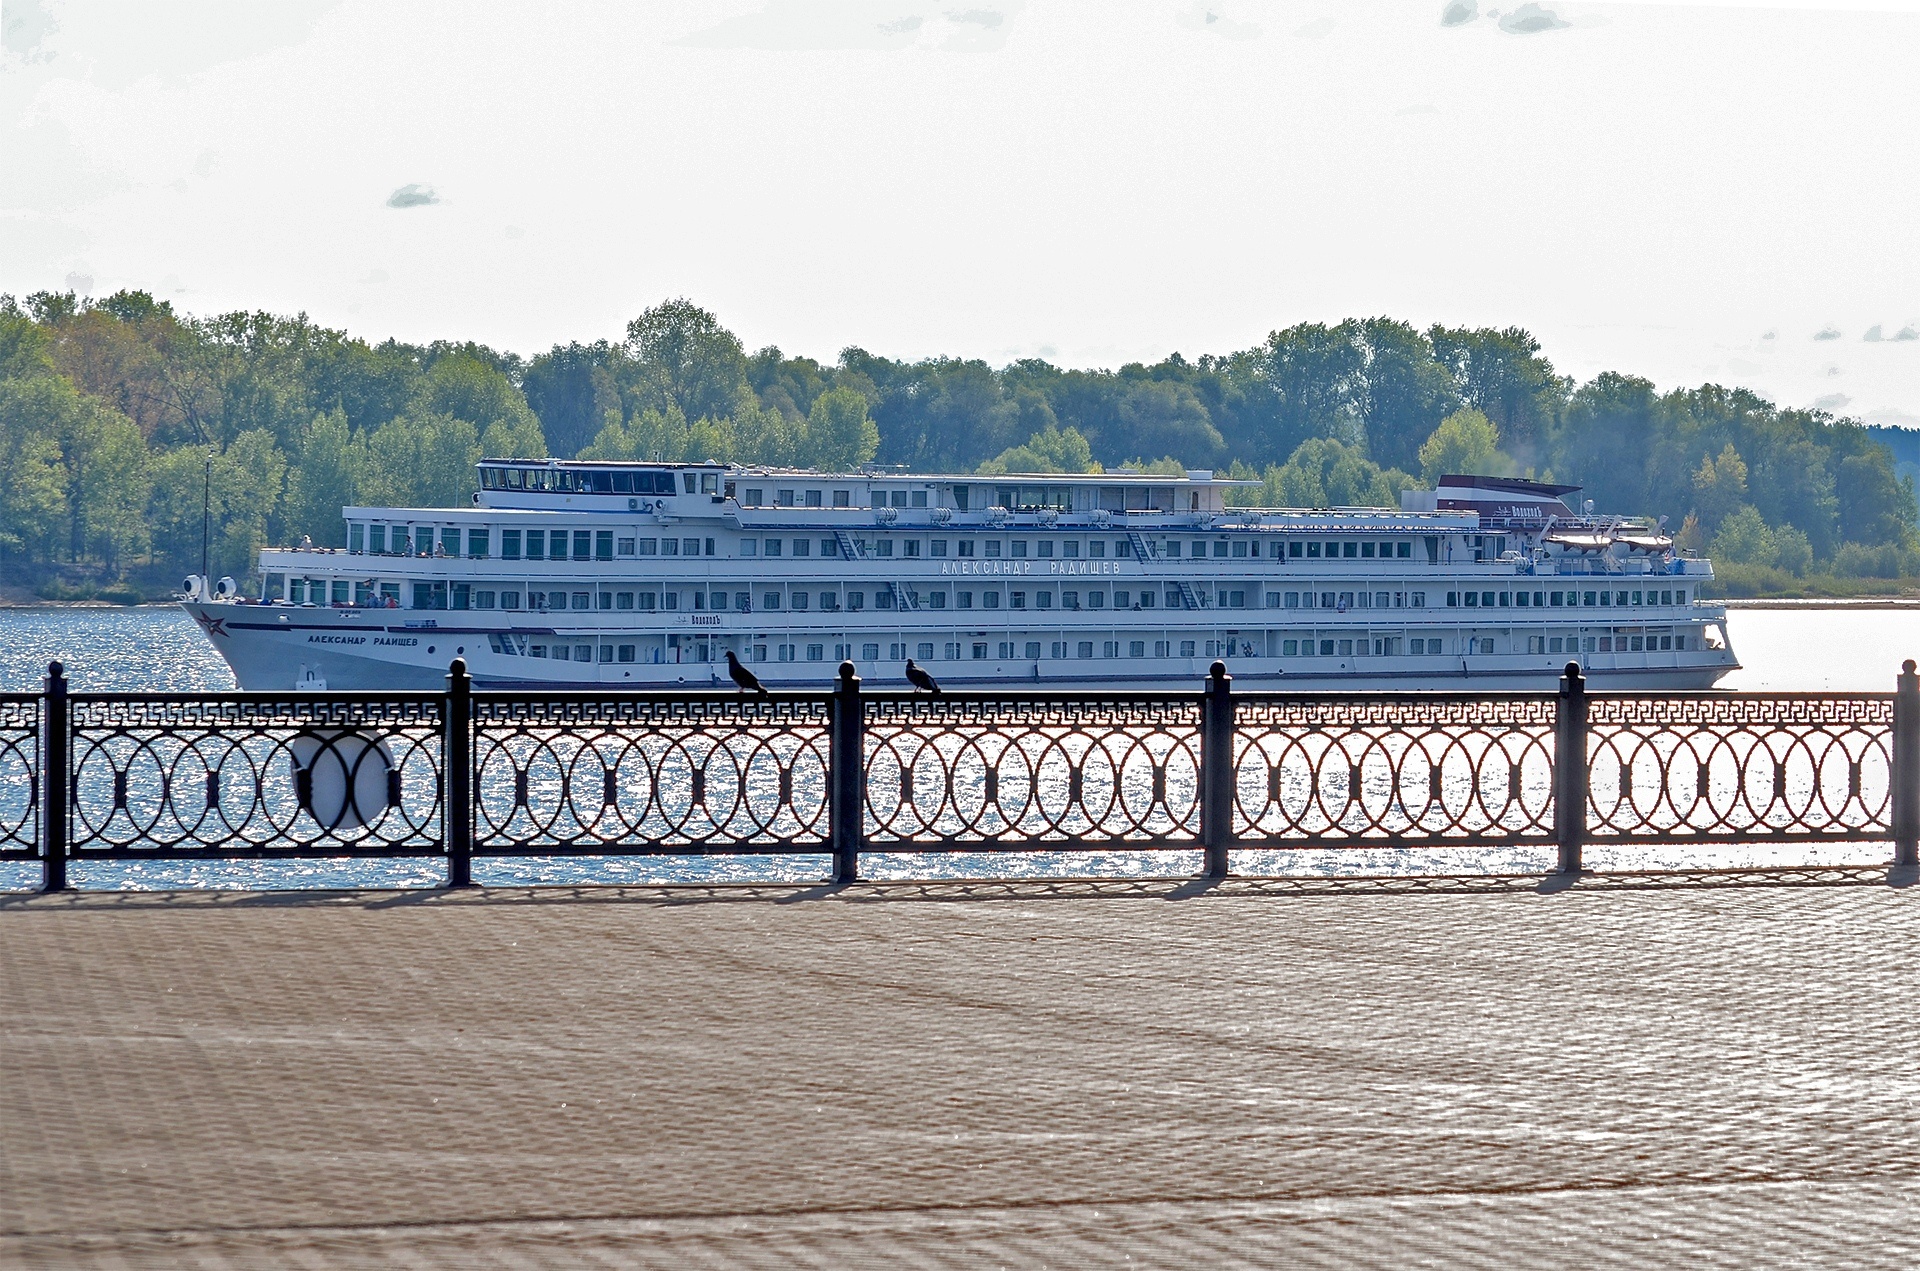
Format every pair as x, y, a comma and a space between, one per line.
1720, 488
1502, 375
679, 356
663, 436
571, 388
422, 460
1466, 443
840, 435
1744, 538
1324, 473
1169, 418
465, 387
1055, 450
1400, 391
325, 479
32, 482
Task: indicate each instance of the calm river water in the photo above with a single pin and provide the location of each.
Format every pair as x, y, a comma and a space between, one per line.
159, 648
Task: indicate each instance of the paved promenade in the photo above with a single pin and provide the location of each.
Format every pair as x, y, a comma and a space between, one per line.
1076, 1075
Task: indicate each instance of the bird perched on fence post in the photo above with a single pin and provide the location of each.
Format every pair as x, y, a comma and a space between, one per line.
920, 679
747, 680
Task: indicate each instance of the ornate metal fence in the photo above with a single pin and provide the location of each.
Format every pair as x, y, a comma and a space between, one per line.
254, 775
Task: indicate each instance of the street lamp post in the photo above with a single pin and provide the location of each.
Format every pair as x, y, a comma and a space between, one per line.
206, 516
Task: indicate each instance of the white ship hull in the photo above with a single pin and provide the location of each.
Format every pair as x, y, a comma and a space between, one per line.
275, 648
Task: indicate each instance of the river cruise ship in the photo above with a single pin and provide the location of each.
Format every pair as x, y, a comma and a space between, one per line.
570, 574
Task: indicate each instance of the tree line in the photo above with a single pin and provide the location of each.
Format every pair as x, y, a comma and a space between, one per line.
118, 415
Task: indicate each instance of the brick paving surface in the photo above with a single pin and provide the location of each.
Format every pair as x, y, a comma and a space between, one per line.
935, 1076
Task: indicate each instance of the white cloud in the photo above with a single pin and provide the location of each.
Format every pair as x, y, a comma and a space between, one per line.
1531, 19
413, 196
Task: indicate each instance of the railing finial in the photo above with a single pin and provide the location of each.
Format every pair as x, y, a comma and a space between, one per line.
849, 676
1217, 672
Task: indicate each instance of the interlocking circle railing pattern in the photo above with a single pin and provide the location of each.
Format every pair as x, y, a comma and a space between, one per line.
1043, 771
1753, 766
237, 775
19, 775
1400, 770
672, 774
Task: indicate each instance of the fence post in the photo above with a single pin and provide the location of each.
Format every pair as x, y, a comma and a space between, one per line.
846, 762
1570, 768
1906, 766
1216, 769
54, 756
456, 808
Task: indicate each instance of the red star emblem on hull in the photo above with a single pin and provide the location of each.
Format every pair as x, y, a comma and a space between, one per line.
211, 625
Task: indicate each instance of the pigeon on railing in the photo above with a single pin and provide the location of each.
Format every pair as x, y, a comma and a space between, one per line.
920, 679
747, 680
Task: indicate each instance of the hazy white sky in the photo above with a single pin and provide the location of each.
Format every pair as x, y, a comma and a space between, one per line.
1689, 192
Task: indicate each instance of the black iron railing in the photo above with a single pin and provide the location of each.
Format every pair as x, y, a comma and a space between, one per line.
460, 774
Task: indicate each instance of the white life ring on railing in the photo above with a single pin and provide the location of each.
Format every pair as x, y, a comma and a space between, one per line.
347, 776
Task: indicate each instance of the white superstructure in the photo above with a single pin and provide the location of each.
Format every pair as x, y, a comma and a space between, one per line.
578, 573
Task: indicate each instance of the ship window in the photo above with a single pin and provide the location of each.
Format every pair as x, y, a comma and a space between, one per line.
937, 600
755, 497
938, 547
1294, 549
1017, 599
919, 498
1240, 549
1045, 550
963, 599
377, 539
913, 547
602, 545
1017, 548
802, 546
1219, 549
1366, 551
884, 547
773, 547
509, 600
1097, 549
990, 599
899, 498
536, 544
842, 498
1313, 550
799, 601
1349, 549
856, 600
993, 549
